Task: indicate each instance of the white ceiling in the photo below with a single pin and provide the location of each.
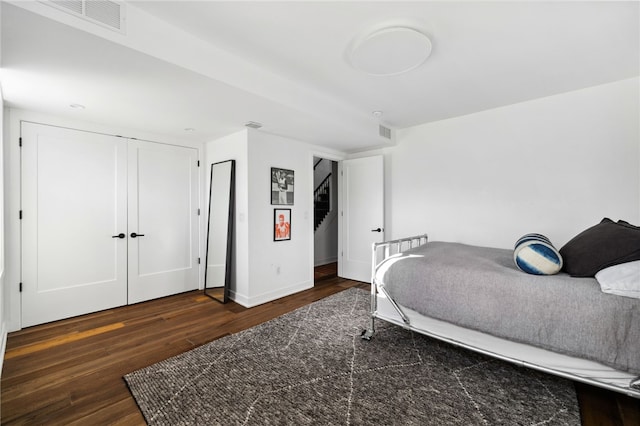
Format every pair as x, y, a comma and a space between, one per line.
213, 65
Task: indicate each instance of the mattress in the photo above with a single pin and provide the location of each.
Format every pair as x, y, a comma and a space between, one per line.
480, 288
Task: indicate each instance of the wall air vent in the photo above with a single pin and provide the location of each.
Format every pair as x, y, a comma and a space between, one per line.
107, 13
385, 132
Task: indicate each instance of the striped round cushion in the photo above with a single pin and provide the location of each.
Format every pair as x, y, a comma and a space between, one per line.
534, 254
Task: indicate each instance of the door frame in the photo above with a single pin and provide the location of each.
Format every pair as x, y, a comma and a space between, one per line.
327, 156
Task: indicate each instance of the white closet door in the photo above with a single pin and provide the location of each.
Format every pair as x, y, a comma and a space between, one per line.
74, 200
362, 220
163, 208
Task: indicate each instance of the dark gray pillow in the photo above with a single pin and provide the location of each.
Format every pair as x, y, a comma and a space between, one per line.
605, 244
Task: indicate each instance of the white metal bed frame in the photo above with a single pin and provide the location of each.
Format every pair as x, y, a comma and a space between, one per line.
385, 308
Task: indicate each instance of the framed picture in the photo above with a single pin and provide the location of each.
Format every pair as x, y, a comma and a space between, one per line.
281, 186
282, 224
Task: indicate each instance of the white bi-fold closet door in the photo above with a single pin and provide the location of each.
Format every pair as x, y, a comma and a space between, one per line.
106, 221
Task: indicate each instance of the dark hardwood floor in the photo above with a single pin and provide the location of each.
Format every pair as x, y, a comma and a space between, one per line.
322, 272
70, 372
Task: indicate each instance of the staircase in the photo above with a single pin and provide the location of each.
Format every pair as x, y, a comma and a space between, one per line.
321, 201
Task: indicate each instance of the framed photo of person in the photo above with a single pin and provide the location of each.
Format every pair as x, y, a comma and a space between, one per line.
281, 186
282, 224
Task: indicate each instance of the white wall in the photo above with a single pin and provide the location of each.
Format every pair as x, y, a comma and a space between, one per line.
555, 165
233, 147
3, 138
11, 186
277, 269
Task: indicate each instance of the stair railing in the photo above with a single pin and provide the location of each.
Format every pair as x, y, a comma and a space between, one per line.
322, 201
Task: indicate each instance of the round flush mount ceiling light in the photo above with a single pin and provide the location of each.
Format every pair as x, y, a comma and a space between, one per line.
390, 51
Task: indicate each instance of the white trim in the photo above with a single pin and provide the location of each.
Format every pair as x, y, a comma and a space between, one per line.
326, 261
3, 344
269, 296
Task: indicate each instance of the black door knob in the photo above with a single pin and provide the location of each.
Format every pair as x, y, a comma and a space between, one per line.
133, 235
120, 235
376, 230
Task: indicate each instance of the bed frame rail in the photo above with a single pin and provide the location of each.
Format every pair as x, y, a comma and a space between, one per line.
381, 252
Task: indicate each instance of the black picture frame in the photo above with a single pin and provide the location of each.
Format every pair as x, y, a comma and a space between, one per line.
282, 224
282, 183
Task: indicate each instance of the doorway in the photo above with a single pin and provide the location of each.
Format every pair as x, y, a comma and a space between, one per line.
325, 218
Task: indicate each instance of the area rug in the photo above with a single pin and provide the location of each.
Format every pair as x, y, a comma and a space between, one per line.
310, 366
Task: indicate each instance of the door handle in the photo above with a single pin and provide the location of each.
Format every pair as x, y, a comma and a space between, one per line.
133, 235
120, 235
377, 230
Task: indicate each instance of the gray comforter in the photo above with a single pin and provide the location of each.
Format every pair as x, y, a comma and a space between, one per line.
481, 288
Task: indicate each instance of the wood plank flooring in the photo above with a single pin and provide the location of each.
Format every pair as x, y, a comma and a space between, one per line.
322, 272
70, 372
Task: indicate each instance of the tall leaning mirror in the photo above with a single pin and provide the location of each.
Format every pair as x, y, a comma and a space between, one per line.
217, 275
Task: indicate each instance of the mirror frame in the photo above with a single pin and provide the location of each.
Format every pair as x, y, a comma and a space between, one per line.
229, 245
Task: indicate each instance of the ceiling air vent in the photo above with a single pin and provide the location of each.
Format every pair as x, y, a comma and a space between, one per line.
385, 132
107, 13
74, 6
253, 125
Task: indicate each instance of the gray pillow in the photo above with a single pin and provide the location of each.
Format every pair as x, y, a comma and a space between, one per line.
605, 244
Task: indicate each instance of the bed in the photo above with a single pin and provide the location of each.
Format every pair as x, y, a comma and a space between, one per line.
476, 298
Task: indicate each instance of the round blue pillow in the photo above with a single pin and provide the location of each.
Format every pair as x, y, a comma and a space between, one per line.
534, 254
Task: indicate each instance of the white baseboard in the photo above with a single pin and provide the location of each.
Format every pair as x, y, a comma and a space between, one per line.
3, 344
325, 261
250, 302
240, 299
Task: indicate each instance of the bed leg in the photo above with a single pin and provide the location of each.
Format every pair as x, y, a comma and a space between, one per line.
368, 333
635, 383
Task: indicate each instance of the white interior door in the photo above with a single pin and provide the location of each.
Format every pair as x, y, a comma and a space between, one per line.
163, 214
74, 200
361, 183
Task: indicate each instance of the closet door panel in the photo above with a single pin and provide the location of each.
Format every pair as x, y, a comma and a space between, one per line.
74, 197
163, 205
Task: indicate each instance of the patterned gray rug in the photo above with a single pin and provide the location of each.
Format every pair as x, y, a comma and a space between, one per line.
311, 367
